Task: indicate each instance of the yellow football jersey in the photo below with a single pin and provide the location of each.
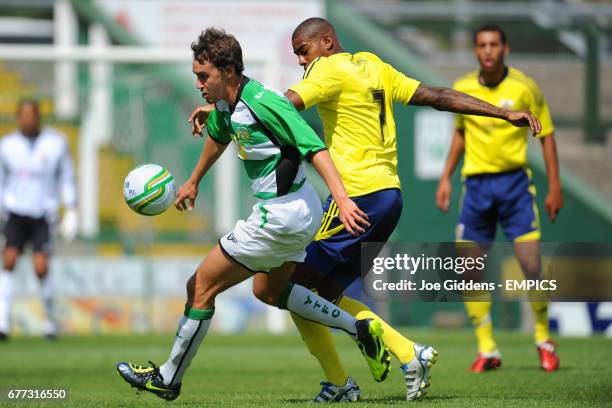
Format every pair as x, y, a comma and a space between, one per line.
494, 145
354, 94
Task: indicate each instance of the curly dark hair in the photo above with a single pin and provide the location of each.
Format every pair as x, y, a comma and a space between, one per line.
219, 48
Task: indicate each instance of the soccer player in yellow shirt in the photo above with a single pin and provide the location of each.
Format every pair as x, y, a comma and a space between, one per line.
497, 183
354, 95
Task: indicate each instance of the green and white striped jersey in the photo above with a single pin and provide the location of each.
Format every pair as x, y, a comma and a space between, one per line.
272, 138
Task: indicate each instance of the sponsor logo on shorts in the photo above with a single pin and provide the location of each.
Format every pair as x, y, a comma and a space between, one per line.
232, 238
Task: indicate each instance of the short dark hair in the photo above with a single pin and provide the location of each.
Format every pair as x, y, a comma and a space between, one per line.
219, 48
28, 101
490, 27
312, 26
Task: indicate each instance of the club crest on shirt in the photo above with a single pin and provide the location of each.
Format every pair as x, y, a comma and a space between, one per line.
242, 134
506, 103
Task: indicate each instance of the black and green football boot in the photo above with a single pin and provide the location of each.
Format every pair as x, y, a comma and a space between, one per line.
370, 342
148, 379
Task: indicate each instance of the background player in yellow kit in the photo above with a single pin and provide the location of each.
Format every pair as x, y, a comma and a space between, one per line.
354, 95
498, 183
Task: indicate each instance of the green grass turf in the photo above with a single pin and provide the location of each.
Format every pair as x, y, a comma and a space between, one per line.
260, 370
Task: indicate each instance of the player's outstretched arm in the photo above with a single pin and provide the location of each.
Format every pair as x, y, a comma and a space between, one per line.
350, 215
554, 199
198, 119
446, 99
443, 193
211, 151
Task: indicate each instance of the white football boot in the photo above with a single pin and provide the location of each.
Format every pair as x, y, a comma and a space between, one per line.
417, 372
349, 392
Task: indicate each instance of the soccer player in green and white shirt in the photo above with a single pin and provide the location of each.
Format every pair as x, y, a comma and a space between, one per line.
273, 141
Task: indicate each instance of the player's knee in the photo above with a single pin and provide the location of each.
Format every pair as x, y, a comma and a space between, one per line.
41, 265
266, 294
10, 258
9, 264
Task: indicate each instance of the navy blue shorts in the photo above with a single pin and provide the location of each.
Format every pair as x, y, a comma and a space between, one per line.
335, 253
507, 198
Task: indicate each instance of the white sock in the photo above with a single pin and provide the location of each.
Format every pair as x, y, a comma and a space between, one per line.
311, 306
188, 338
7, 287
46, 294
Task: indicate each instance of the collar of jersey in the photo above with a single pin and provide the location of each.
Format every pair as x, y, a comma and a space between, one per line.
243, 81
506, 70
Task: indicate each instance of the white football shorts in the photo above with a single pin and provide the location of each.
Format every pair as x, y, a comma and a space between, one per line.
277, 231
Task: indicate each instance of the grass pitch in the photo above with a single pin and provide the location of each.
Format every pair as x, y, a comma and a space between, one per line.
260, 370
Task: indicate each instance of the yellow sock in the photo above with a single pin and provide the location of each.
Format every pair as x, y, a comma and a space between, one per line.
401, 347
540, 315
320, 343
480, 316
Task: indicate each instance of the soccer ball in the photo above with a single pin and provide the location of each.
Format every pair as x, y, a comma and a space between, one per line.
149, 189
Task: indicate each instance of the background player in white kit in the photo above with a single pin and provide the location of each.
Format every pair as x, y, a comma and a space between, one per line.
35, 171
